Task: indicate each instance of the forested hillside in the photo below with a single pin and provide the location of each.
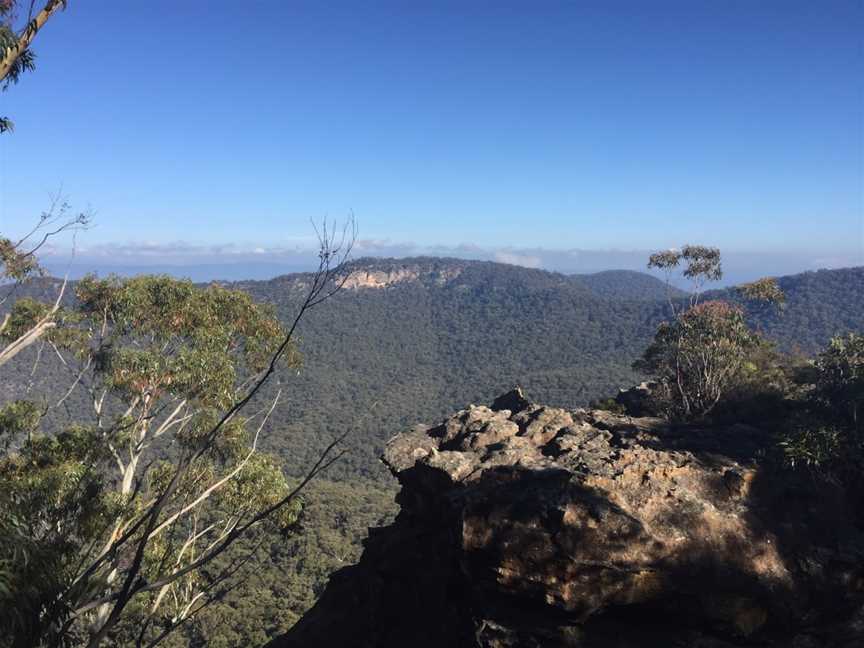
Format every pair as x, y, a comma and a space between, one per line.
430, 337
627, 284
818, 305
440, 344
444, 332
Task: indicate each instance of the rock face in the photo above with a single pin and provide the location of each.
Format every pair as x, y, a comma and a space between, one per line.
382, 278
525, 525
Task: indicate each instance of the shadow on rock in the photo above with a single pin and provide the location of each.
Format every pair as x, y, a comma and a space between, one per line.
524, 525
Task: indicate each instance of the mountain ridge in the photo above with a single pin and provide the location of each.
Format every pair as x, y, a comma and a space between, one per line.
437, 345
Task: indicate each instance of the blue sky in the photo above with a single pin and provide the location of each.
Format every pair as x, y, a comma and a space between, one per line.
223, 127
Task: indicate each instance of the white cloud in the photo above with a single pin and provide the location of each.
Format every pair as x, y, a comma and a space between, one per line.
513, 258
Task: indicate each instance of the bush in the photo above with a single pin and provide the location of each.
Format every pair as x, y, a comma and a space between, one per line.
829, 436
697, 357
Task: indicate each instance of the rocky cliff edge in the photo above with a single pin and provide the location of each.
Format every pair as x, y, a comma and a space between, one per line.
525, 525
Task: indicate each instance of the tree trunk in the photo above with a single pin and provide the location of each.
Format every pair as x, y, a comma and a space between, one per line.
12, 53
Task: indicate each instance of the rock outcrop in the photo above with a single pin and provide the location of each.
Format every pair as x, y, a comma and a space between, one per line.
525, 525
377, 278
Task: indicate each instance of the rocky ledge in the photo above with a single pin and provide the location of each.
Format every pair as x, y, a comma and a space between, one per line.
525, 525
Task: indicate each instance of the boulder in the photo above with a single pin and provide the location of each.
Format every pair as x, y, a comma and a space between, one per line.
526, 525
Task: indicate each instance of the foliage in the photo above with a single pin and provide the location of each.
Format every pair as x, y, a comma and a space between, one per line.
631, 285
698, 356
767, 382
53, 500
160, 359
290, 573
609, 405
765, 290
707, 350
810, 442
30, 320
828, 434
701, 265
818, 305
840, 381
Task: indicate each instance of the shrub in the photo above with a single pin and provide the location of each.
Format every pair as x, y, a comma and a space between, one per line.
698, 356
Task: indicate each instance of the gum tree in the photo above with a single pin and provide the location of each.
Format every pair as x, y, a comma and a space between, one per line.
132, 508
698, 354
20, 22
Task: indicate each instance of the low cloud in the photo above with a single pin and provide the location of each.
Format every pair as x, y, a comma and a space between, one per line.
514, 258
255, 261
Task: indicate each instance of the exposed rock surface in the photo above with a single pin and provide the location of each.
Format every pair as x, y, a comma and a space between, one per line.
524, 525
382, 278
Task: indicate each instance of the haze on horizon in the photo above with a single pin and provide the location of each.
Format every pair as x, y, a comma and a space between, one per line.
568, 136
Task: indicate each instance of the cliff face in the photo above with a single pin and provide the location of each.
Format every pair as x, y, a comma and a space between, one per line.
382, 278
524, 525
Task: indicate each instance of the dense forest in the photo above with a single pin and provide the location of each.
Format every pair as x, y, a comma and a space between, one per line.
440, 346
441, 334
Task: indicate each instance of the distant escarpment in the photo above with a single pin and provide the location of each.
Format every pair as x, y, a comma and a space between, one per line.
525, 525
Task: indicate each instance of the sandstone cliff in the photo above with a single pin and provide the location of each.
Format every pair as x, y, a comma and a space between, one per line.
524, 525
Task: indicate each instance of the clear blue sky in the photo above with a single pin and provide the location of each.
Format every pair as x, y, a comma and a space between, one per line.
526, 125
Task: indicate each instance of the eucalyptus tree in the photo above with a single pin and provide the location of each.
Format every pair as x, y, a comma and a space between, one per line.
697, 356
19, 24
699, 353
131, 508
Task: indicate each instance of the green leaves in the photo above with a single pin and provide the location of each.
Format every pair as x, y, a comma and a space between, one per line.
172, 359
16, 264
701, 263
698, 356
23, 317
828, 434
17, 419
162, 335
840, 379
765, 291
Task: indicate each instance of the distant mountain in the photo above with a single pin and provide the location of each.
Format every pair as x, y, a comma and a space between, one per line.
819, 304
628, 284
409, 340
437, 333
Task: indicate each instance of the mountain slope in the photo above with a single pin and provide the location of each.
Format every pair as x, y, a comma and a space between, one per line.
432, 343
447, 332
818, 305
627, 284
410, 339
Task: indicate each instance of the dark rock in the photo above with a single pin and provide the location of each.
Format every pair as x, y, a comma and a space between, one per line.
524, 525
514, 401
639, 400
